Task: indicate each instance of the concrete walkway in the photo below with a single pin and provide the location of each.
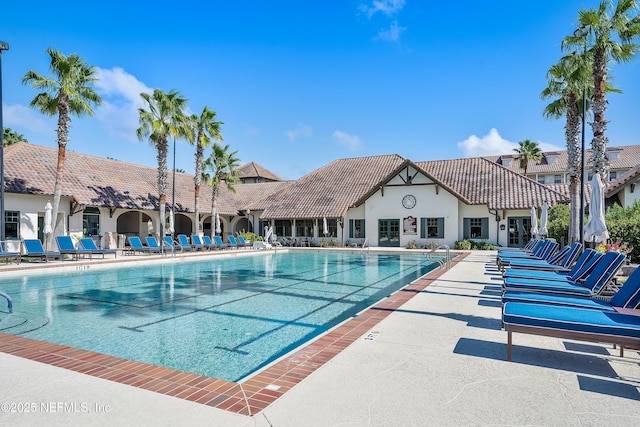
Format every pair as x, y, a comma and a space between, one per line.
439, 360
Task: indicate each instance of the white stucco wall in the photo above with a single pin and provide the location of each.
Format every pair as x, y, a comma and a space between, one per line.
387, 204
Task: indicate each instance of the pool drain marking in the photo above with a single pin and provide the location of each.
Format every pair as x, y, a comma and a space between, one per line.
371, 336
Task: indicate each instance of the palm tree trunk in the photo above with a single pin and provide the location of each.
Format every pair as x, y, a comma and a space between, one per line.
197, 179
162, 181
573, 134
63, 136
599, 161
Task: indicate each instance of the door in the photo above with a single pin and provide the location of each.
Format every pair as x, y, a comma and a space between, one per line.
519, 231
389, 232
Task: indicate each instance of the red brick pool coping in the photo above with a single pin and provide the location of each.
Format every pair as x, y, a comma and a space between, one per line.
248, 397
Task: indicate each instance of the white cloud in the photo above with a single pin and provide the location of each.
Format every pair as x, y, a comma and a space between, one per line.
494, 144
386, 7
121, 99
301, 131
350, 142
392, 34
28, 118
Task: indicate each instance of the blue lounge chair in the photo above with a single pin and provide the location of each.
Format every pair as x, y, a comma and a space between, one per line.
561, 261
526, 248
242, 242
219, 243
136, 246
543, 252
171, 245
207, 240
604, 270
88, 244
33, 249
153, 243
571, 323
185, 243
9, 256
233, 243
67, 247
628, 296
579, 272
199, 244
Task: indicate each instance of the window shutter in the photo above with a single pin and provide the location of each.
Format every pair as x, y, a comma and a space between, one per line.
466, 228
423, 228
351, 229
485, 228
363, 229
440, 228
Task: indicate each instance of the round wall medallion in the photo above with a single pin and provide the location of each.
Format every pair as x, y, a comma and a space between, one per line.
409, 201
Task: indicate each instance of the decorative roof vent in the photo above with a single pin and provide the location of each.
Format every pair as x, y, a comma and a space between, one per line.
613, 153
551, 157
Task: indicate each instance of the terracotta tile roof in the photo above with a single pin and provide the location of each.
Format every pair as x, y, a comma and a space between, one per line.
254, 170
614, 186
478, 181
628, 157
331, 190
96, 181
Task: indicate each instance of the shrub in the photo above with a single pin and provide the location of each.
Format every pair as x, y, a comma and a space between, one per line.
412, 245
558, 223
250, 236
624, 226
464, 245
431, 245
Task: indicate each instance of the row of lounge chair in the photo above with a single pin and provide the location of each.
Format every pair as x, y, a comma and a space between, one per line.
183, 243
539, 297
33, 249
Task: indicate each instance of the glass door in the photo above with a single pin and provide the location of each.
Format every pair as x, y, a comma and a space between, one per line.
519, 231
389, 232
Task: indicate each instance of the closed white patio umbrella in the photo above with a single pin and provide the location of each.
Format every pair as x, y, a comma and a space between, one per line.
48, 227
534, 222
325, 227
543, 219
596, 228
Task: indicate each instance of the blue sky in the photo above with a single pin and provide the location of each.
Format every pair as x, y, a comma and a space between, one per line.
301, 83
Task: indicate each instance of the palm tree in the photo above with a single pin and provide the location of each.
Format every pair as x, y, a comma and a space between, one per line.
221, 166
610, 35
527, 150
10, 137
205, 127
163, 118
567, 80
69, 92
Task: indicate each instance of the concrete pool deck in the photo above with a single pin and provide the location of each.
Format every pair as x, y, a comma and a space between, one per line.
437, 359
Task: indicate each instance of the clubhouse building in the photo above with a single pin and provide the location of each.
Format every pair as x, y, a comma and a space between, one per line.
386, 200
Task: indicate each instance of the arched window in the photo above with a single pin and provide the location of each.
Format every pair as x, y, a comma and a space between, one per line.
91, 221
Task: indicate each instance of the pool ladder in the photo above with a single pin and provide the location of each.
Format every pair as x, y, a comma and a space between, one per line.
9, 301
446, 263
364, 245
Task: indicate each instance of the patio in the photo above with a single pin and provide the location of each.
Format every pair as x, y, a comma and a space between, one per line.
440, 359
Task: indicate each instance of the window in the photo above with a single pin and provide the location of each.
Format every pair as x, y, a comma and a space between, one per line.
476, 228
282, 227
332, 225
12, 225
557, 179
356, 228
540, 179
613, 176
432, 228
91, 221
304, 228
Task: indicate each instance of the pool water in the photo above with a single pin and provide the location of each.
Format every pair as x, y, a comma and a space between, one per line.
219, 317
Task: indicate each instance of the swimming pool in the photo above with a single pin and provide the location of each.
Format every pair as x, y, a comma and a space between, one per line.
219, 317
